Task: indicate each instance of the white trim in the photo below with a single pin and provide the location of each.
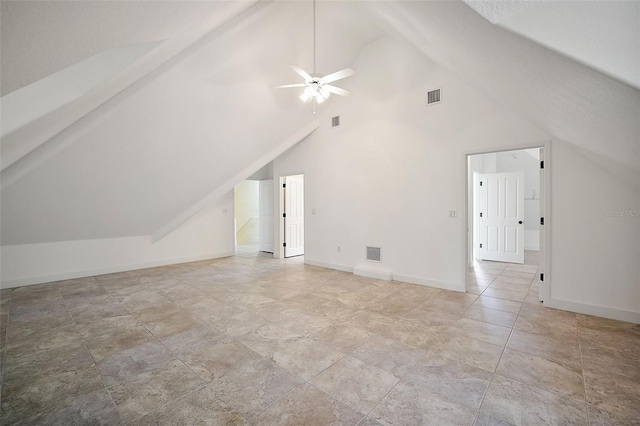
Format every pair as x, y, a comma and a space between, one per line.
109, 270
430, 283
327, 265
545, 260
394, 277
370, 273
595, 310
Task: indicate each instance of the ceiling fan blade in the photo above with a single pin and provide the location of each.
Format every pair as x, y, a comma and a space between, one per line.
285, 86
302, 72
338, 75
336, 90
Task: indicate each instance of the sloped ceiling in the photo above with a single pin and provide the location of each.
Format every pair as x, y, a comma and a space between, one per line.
198, 122
570, 101
604, 35
211, 112
39, 38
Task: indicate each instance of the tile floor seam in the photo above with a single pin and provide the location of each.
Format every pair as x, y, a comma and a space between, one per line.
85, 343
333, 397
104, 383
269, 405
323, 370
584, 381
493, 375
159, 408
545, 359
102, 376
86, 346
380, 400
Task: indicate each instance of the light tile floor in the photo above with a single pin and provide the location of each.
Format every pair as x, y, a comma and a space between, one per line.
253, 340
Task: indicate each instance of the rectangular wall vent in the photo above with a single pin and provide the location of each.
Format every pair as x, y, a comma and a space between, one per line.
373, 254
335, 121
434, 96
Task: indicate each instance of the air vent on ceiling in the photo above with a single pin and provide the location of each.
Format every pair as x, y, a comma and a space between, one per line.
335, 121
373, 254
434, 96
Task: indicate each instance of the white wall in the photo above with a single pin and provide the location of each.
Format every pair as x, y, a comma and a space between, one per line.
595, 252
593, 123
264, 173
391, 172
207, 235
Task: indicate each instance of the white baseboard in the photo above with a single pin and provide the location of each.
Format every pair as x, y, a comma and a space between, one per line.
595, 310
370, 273
429, 282
335, 266
107, 270
389, 276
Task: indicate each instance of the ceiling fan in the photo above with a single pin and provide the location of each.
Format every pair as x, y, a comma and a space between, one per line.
316, 87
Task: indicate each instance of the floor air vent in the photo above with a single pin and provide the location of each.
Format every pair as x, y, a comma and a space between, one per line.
433, 97
373, 254
335, 121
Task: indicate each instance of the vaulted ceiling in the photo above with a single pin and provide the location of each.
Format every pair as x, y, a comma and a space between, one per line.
39, 38
162, 145
604, 35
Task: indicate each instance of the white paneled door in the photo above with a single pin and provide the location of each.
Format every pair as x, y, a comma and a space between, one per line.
294, 215
501, 217
265, 221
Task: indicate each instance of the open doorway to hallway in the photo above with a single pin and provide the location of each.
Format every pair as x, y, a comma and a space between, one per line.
246, 205
505, 212
253, 213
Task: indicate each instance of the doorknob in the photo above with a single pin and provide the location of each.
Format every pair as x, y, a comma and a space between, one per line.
519, 222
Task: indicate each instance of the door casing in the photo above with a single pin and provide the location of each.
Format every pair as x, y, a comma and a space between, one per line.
545, 266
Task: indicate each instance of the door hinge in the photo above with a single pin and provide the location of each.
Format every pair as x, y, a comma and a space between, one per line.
480, 214
542, 164
284, 185
284, 244
480, 245
541, 276
284, 215
480, 183
542, 221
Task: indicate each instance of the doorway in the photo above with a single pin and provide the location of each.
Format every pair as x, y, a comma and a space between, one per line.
292, 209
246, 215
253, 216
507, 201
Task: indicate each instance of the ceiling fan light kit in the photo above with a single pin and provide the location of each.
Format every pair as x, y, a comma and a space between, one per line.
317, 88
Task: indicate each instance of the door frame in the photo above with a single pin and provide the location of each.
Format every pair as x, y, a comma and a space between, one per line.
545, 211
